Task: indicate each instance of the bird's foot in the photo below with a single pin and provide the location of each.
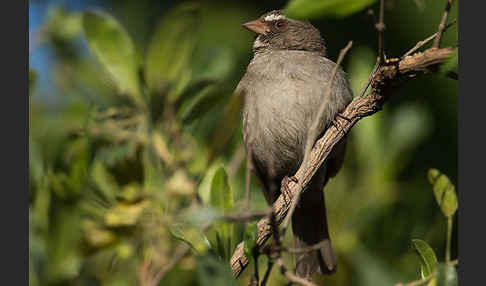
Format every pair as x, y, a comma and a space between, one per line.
287, 194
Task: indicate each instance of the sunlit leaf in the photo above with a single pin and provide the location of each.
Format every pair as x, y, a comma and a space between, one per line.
63, 24
170, 50
192, 236
221, 193
427, 257
433, 281
204, 189
444, 191
123, 214
311, 9
161, 148
114, 48
446, 275
96, 235
130, 193
180, 183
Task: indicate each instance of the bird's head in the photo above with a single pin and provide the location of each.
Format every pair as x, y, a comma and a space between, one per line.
277, 32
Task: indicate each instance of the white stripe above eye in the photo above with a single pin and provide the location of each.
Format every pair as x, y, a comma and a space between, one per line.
273, 17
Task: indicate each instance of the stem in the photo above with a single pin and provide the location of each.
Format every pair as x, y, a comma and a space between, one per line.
449, 235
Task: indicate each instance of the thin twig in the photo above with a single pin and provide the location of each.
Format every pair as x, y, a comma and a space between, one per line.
370, 77
422, 43
419, 282
308, 248
443, 23
291, 276
380, 27
275, 255
246, 216
148, 280
314, 129
180, 253
448, 239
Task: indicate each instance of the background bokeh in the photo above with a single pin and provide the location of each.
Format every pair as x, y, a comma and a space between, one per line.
126, 165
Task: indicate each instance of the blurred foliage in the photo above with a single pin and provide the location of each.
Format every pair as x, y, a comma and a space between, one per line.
309, 9
134, 145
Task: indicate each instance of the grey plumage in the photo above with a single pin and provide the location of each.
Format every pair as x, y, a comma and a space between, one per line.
284, 85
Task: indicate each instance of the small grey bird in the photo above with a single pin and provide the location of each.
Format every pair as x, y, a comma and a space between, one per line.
283, 87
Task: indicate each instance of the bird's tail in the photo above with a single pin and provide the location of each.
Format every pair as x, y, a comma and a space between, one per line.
309, 225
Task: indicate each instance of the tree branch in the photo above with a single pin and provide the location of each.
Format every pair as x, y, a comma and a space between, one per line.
388, 73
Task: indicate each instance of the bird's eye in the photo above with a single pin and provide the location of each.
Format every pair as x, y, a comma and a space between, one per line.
280, 24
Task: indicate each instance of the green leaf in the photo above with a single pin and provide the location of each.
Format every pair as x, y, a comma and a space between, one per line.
222, 199
221, 193
427, 257
113, 47
204, 189
105, 182
192, 236
169, 54
154, 177
450, 65
312, 9
32, 81
61, 24
410, 125
212, 271
201, 103
446, 275
444, 191
249, 239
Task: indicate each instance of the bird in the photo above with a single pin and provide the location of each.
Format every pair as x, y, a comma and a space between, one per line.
283, 87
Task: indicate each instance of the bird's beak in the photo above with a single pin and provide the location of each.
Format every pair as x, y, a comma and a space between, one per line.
256, 26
